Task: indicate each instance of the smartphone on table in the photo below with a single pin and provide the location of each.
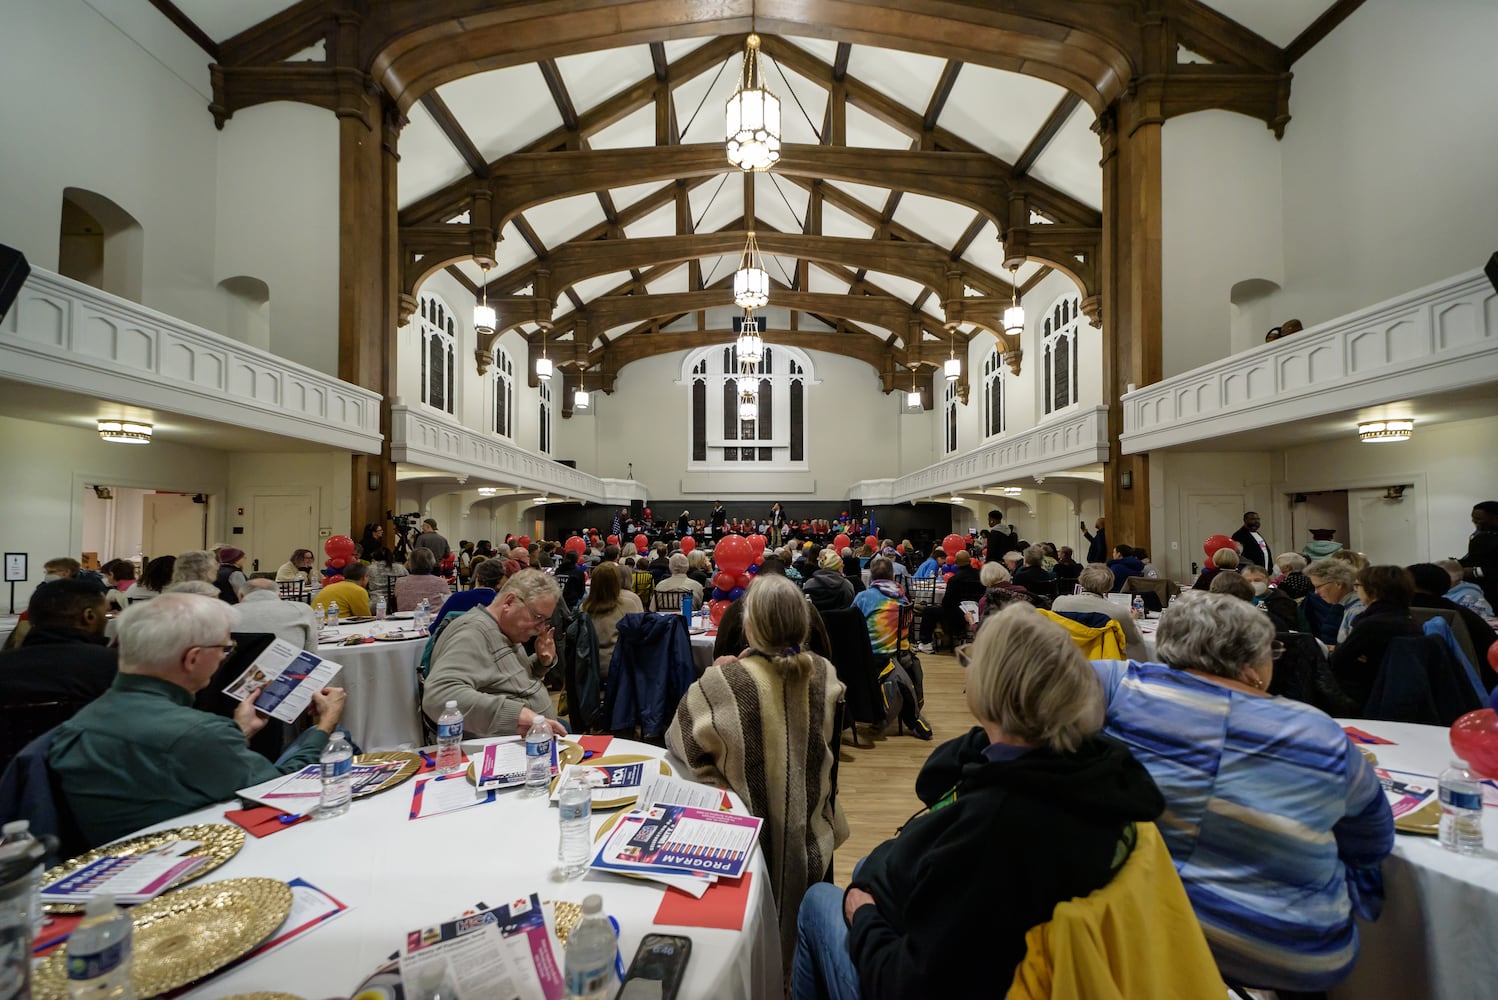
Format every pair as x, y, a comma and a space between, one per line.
657, 968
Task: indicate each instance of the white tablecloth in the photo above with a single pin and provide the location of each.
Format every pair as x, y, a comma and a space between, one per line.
380, 678
397, 875
1440, 920
7, 626
702, 650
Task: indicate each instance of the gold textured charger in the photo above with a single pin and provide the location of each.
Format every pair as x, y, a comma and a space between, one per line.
623, 758
187, 934
410, 764
218, 842
570, 753
1426, 820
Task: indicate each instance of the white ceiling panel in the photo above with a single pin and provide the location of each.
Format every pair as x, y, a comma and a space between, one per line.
714, 268
708, 91
710, 213
472, 271
824, 282
556, 222
781, 269
428, 160
501, 110
618, 331
836, 222
810, 324
661, 222
878, 331
932, 307
674, 280
941, 222
221, 19
511, 251
564, 306
1070, 162
678, 47
591, 288
770, 203
1277, 20
873, 197
866, 131
900, 288
593, 77
1027, 271
907, 77
627, 196
630, 132
819, 47
986, 252
998, 111
800, 122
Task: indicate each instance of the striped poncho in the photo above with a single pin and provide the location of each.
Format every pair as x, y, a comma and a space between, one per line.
771, 739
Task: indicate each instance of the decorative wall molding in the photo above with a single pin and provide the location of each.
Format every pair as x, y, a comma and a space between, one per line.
1440, 338
66, 335
421, 436
1076, 439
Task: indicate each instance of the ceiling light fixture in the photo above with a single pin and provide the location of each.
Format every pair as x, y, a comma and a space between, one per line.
1379, 431
750, 346
488, 491
952, 368
1014, 316
124, 432
748, 392
751, 282
580, 399
543, 363
752, 124
913, 397
1011, 491
484, 319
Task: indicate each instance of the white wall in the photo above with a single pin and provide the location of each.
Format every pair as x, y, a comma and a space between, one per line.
325, 476
1178, 477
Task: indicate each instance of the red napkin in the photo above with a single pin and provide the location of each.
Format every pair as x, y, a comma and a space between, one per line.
262, 821
597, 744
722, 906
56, 931
1361, 736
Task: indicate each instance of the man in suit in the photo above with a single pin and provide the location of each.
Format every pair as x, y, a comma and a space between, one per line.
1252, 544
719, 518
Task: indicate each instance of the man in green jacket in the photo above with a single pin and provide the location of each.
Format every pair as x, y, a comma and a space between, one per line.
141, 753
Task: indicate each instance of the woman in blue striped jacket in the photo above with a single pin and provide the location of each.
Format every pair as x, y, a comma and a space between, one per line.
1275, 821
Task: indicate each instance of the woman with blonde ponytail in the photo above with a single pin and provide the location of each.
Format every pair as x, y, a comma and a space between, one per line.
764, 725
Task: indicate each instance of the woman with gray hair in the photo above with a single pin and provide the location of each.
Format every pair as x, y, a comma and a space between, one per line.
1096, 581
1030, 804
1278, 851
199, 564
1333, 602
421, 582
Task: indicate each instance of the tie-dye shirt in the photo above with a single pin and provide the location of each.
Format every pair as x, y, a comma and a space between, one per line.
882, 604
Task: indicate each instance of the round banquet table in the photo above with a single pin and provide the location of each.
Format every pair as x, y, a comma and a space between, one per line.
1440, 920
702, 649
397, 875
380, 678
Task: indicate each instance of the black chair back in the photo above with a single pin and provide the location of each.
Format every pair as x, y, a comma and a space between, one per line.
853, 658
669, 600
21, 723
294, 590
1302, 673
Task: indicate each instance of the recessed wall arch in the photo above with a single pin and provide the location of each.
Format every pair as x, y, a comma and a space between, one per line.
100, 244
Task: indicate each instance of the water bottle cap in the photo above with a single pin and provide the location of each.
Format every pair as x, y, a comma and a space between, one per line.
593, 904
16, 826
451, 704
1458, 762
99, 905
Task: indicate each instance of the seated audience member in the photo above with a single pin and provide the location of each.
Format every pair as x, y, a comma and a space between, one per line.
570, 577
1385, 592
487, 578
1224, 558
370, 542
1428, 579
679, 581
64, 656
606, 603
1286, 563
1012, 560
1033, 576
351, 594
229, 576
852, 569
199, 564
1125, 565
1067, 569
384, 568
1281, 608
639, 580
1233, 584
1000, 591
1333, 596
299, 566
260, 609
154, 578
421, 582
964, 585
1031, 804
932, 566
828, 588
1149, 572
481, 663
118, 774
765, 725
1463, 591
1278, 852
119, 577
882, 606
1096, 581
699, 569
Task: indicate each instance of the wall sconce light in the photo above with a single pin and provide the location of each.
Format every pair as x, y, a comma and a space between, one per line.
374, 481
1126, 480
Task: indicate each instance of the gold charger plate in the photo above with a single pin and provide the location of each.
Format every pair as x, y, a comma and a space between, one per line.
410, 764
218, 842
571, 753
264, 996
1425, 821
185, 935
623, 758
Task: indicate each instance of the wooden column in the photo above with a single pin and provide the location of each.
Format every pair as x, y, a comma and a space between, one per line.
368, 283
1131, 277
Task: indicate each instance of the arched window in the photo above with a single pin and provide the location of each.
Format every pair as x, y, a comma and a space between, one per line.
503, 374
993, 393
543, 443
774, 436
1058, 344
949, 416
438, 330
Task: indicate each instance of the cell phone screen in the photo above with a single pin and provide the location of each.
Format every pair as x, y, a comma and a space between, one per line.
657, 968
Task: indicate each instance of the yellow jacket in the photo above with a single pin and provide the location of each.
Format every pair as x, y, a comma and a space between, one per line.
1134, 939
352, 599
1105, 643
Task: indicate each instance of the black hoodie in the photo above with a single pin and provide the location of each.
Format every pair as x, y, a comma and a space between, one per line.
960, 885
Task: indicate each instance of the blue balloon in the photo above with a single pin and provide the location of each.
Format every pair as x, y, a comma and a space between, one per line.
735, 593
719, 594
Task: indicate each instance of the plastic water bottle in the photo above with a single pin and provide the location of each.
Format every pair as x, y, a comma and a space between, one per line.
99, 952
1138, 608
423, 615
332, 614
686, 608
380, 608
589, 962
1461, 809
1171, 603
574, 848
538, 758
449, 739
18, 833
337, 764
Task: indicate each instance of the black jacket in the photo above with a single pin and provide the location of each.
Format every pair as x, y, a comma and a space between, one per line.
828, 590
1251, 551
1036, 580
574, 585
1356, 662
959, 886
57, 664
1482, 553
1067, 570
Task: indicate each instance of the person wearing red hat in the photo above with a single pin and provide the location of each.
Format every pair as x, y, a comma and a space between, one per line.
230, 579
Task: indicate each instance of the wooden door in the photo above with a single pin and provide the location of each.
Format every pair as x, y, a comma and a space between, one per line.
282, 523
172, 523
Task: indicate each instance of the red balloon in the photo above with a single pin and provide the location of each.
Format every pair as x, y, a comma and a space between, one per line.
1493, 656
688, 544
872, 541
953, 544
338, 563
715, 611
733, 554
1474, 737
339, 545
641, 543
576, 544
1215, 542
841, 542
335, 578
523, 542
744, 580
612, 539
757, 543
724, 580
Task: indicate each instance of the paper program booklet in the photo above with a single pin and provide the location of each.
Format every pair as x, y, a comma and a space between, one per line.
288, 676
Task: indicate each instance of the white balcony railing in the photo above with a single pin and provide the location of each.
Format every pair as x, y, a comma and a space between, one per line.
1049, 449
1436, 339
421, 437
66, 335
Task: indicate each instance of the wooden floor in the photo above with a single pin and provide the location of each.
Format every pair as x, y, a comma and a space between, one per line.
876, 785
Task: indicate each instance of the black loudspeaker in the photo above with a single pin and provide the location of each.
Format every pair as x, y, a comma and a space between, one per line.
13, 272
1491, 269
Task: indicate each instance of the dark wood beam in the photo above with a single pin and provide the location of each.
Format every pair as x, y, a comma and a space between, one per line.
840, 62
1047, 131
188, 27
659, 61
528, 234
968, 235
462, 279
941, 94
1319, 29
443, 116
552, 74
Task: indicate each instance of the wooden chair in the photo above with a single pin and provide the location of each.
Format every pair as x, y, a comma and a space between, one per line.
669, 600
294, 590
1157, 593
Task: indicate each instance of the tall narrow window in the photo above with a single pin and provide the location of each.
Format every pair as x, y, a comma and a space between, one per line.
438, 331
993, 393
699, 412
774, 433
543, 443
949, 415
503, 373
1059, 346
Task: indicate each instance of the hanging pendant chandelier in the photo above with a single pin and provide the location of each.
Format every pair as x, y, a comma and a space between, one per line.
748, 383
484, 319
750, 346
752, 117
543, 363
913, 397
580, 399
1014, 316
751, 282
952, 368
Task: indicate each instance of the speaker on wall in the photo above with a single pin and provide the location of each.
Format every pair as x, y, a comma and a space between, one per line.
1491, 269
13, 272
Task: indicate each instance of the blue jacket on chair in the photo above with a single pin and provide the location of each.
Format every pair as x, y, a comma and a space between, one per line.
651, 669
